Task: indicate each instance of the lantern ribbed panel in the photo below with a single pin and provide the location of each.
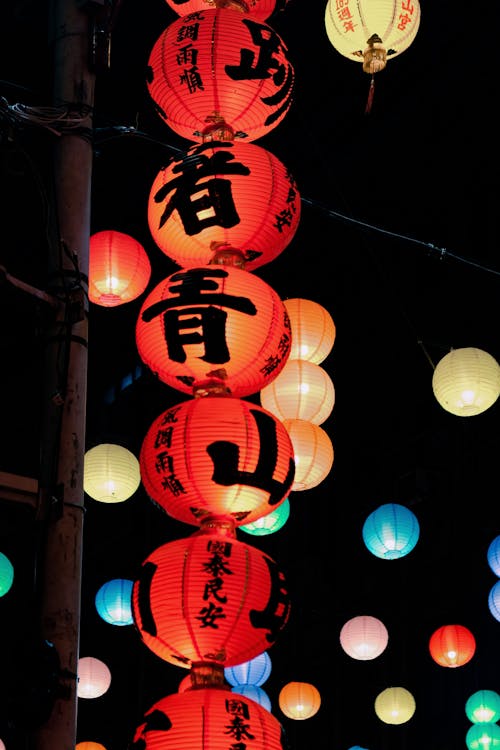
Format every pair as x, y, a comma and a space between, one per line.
89, 746
183, 617
395, 705
254, 693
313, 330
395, 21
111, 473
302, 390
119, 268
452, 645
493, 555
228, 457
364, 637
243, 197
483, 737
483, 706
204, 718
259, 9
313, 451
214, 319
299, 700
253, 672
494, 600
94, 677
270, 523
466, 381
391, 531
225, 84
7, 573
113, 601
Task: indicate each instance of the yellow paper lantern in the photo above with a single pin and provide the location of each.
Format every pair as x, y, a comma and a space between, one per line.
94, 677
313, 453
466, 381
395, 705
302, 390
111, 473
299, 700
313, 330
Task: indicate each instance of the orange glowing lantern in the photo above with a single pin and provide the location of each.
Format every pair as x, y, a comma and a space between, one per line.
214, 326
119, 268
223, 195
302, 390
261, 9
209, 598
313, 330
299, 700
313, 453
220, 68
452, 645
217, 455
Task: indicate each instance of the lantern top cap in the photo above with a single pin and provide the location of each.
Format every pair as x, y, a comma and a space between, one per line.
214, 523
217, 128
226, 255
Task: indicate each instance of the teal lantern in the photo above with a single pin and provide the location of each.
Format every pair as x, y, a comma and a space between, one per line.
483, 707
483, 737
252, 672
113, 601
391, 531
255, 693
493, 556
6, 574
274, 521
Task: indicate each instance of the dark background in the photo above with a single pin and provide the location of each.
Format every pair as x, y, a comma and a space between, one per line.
398, 239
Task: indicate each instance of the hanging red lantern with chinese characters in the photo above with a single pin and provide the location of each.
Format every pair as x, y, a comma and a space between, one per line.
214, 326
261, 9
220, 67
209, 598
218, 195
217, 455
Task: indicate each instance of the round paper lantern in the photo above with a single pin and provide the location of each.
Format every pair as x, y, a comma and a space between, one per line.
494, 600
261, 9
452, 645
483, 706
89, 746
253, 672
493, 555
215, 325
299, 700
466, 381
313, 453
208, 718
364, 637
372, 33
391, 531
254, 693
302, 390
313, 330
111, 473
395, 705
223, 197
113, 601
220, 68
217, 455
94, 677
119, 268
269, 523
7, 573
483, 737
209, 598
2, 745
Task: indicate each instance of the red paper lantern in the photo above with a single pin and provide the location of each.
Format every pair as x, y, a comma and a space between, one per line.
452, 645
217, 455
214, 325
220, 66
209, 598
218, 195
261, 9
208, 718
119, 268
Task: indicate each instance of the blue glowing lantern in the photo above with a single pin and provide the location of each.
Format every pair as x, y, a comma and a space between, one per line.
493, 556
253, 672
255, 693
494, 601
6, 574
113, 601
271, 523
391, 531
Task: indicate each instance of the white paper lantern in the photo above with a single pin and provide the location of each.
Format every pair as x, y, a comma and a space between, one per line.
111, 473
364, 637
94, 677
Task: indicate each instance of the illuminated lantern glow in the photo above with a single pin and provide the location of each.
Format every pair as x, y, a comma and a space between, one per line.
313, 330
215, 325
113, 602
94, 677
494, 600
391, 531
89, 746
254, 693
7, 574
223, 195
206, 718
228, 457
364, 637
253, 672
119, 268
111, 473
184, 619
483, 707
466, 382
261, 9
302, 390
242, 77
493, 555
483, 737
270, 523
313, 453
395, 705
452, 645
299, 700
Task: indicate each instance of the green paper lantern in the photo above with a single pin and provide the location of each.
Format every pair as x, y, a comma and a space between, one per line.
483, 707
6, 574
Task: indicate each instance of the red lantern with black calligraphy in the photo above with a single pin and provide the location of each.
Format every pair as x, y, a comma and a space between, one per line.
209, 598
218, 195
208, 718
220, 67
214, 326
261, 9
217, 455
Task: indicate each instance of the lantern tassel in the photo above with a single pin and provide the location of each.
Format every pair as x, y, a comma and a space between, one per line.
371, 93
